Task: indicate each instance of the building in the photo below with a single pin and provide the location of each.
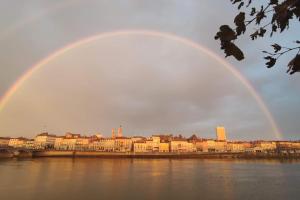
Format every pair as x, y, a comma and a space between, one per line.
30, 144
4, 141
221, 133
17, 142
161, 143
201, 145
68, 142
120, 132
153, 144
210, 145
216, 145
103, 144
73, 142
137, 138
82, 143
288, 146
140, 147
123, 144
149, 145
97, 136
181, 145
107, 144
267, 145
262, 146
220, 146
113, 135
164, 147
238, 146
44, 141
58, 142
72, 135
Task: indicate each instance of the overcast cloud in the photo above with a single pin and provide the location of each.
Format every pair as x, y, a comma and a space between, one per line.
146, 84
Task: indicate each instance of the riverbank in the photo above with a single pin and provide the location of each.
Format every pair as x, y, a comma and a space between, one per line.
198, 155
162, 155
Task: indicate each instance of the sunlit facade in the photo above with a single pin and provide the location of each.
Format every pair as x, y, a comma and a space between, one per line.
4, 141
44, 140
17, 142
221, 133
154, 144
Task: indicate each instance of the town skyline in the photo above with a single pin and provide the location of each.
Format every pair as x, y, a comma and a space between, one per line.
158, 144
119, 132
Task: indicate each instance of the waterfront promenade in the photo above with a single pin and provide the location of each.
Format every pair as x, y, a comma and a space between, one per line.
12, 153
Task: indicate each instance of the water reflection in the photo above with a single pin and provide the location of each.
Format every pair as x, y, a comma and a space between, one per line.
90, 178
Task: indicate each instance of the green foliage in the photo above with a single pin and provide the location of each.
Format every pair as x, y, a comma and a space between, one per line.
272, 17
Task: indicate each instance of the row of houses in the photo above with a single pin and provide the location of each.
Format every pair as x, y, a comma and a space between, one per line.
138, 144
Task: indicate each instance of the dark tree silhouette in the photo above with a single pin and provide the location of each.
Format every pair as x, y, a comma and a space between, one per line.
272, 17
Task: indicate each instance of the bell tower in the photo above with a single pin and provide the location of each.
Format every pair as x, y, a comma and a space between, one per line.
113, 135
120, 134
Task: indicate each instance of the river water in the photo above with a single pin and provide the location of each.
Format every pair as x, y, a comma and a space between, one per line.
92, 178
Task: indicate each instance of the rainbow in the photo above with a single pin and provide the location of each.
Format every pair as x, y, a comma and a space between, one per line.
10, 92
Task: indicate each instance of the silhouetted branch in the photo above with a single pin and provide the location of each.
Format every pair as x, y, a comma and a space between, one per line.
280, 14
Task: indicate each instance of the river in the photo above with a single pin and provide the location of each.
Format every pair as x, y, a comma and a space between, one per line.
94, 178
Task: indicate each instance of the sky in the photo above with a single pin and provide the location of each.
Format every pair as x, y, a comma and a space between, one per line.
146, 84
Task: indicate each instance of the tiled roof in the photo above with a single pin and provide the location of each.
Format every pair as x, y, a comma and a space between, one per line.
5, 138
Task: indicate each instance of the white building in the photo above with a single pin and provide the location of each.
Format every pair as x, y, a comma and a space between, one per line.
140, 147
103, 144
17, 142
44, 141
182, 145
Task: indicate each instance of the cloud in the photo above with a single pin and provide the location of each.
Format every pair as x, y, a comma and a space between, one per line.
141, 83
145, 83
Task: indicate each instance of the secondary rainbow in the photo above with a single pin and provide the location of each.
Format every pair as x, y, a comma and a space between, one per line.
5, 98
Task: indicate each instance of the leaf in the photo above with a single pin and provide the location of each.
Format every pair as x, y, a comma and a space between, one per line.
282, 15
262, 32
271, 61
239, 21
231, 49
273, 2
274, 29
254, 35
294, 65
276, 47
225, 34
296, 11
241, 5
249, 2
235, 1
253, 11
260, 15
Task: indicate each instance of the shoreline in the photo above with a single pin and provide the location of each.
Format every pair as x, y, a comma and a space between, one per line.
131, 155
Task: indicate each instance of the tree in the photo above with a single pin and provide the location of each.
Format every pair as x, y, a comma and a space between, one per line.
272, 17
